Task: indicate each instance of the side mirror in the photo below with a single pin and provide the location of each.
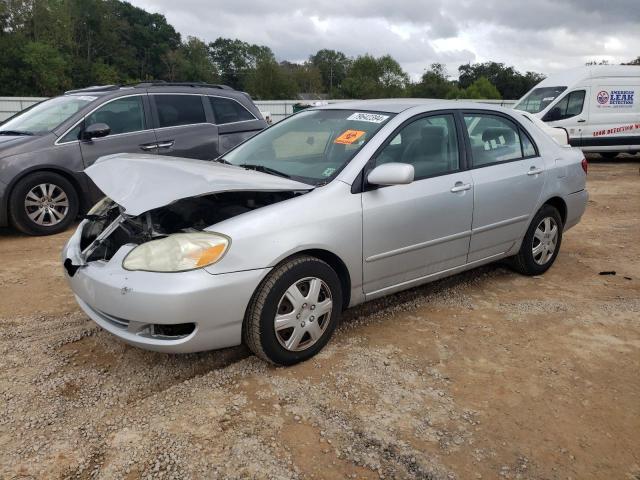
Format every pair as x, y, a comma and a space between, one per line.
553, 115
391, 174
96, 130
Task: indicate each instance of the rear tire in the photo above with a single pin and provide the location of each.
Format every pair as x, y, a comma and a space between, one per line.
609, 155
43, 203
541, 243
294, 311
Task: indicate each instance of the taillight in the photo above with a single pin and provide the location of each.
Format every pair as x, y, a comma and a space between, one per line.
585, 165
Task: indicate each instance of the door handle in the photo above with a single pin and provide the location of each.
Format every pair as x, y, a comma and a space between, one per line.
534, 171
148, 146
460, 187
582, 120
167, 144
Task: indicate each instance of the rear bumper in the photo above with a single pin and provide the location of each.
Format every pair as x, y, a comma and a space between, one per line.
576, 206
128, 304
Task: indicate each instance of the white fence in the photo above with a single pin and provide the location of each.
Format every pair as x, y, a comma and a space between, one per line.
12, 105
278, 109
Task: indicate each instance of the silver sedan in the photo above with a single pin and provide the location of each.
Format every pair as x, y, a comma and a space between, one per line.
330, 208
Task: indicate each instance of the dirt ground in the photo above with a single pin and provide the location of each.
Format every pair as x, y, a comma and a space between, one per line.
484, 375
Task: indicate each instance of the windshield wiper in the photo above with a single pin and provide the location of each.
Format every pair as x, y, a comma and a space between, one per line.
14, 132
263, 169
222, 160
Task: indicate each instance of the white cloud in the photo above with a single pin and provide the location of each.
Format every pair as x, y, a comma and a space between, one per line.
542, 35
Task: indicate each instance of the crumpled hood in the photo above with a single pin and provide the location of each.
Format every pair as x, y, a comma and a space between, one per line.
140, 182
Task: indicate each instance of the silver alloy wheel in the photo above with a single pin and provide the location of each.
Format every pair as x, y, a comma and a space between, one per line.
303, 314
545, 240
46, 204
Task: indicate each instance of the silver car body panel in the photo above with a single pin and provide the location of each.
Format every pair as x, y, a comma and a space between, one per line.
140, 182
388, 239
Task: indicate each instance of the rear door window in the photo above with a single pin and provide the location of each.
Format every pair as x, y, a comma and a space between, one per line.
175, 110
227, 110
495, 139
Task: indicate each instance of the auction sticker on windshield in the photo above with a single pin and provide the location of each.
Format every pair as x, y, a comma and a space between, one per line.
348, 137
368, 117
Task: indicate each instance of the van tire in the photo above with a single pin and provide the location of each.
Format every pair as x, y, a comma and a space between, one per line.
609, 155
60, 187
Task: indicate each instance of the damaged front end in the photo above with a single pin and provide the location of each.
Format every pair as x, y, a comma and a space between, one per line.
108, 227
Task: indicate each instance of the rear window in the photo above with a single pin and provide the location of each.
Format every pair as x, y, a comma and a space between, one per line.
174, 110
227, 110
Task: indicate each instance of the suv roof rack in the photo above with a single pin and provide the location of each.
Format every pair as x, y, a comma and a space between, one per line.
150, 83
162, 83
95, 88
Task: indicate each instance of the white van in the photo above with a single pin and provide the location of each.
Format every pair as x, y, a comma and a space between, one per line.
598, 106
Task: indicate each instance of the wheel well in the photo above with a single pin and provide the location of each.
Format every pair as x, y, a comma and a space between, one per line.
559, 204
62, 173
340, 268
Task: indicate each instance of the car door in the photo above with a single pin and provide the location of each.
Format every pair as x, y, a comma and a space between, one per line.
412, 231
127, 117
571, 114
508, 177
182, 126
235, 123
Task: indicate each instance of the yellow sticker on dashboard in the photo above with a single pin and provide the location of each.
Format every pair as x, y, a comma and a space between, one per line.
348, 137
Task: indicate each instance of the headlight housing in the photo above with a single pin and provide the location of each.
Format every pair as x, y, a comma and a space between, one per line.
178, 252
104, 204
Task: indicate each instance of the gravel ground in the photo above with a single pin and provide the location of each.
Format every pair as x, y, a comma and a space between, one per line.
484, 375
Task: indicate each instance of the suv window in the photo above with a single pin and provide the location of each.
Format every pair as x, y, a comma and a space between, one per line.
495, 139
174, 110
123, 115
227, 110
430, 144
570, 106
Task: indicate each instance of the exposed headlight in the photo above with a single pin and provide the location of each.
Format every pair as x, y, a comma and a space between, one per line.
178, 252
101, 207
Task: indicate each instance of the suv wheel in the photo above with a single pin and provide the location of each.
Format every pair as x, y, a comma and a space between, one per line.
294, 312
43, 203
541, 243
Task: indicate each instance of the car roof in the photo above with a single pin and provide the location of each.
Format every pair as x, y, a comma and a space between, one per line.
397, 105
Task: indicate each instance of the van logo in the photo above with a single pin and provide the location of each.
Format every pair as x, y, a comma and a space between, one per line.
603, 97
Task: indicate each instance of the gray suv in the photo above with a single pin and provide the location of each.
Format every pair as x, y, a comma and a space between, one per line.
45, 149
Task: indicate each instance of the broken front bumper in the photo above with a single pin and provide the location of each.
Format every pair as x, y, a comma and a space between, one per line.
169, 312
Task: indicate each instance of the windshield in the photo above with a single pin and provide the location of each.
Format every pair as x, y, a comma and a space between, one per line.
539, 98
311, 146
46, 115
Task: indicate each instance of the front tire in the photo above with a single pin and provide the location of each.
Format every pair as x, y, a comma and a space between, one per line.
541, 243
43, 203
294, 311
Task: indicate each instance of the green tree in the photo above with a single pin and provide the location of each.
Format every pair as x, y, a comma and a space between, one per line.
270, 81
510, 83
481, 88
371, 77
333, 67
47, 67
235, 60
306, 76
434, 83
